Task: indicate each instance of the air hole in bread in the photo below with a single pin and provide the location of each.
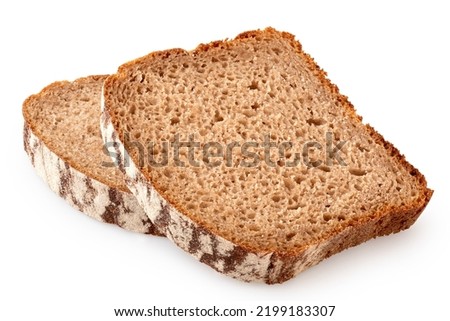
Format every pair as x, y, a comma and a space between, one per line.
357, 171
316, 121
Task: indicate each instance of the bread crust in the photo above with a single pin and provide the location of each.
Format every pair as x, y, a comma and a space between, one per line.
87, 194
247, 263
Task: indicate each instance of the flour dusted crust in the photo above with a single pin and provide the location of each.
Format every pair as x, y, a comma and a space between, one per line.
97, 200
244, 263
87, 194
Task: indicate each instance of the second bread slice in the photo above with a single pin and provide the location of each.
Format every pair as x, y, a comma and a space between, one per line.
62, 138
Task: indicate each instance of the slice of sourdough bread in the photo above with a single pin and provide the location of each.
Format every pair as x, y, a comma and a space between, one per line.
62, 138
322, 182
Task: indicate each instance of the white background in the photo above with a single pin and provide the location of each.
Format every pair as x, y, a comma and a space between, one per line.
390, 58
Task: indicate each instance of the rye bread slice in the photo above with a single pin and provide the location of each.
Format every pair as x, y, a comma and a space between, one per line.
330, 182
62, 138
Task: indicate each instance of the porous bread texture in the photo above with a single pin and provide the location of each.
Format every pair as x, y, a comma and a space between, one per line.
288, 218
63, 140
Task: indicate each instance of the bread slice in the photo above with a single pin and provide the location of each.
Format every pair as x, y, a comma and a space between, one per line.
62, 138
326, 182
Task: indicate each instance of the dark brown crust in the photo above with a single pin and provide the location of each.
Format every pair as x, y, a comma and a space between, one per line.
285, 265
26, 142
111, 213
